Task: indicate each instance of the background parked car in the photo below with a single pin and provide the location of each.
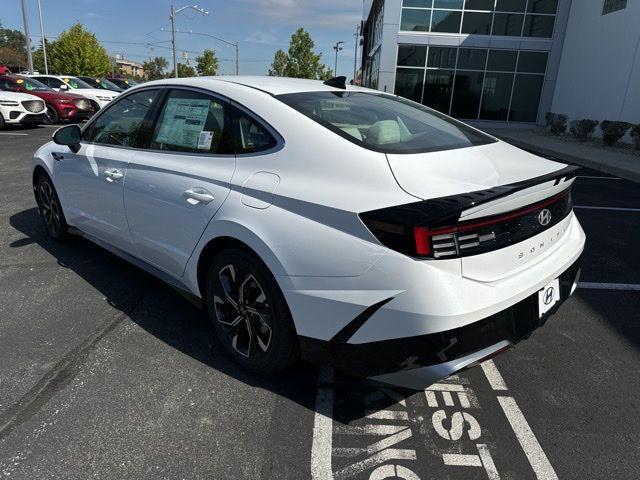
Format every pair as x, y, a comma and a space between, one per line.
59, 105
102, 83
98, 97
20, 109
123, 83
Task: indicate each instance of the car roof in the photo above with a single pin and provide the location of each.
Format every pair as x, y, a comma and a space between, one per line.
271, 85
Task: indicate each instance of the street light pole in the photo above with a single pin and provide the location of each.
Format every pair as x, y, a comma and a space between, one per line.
234, 45
337, 47
355, 59
174, 12
44, 41
27, 38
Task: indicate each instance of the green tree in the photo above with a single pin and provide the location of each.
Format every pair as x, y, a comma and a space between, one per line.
13, 39
207, 63
300, 61
77, 52
38, 57
279, 65
154, 68
13, 50
184, 71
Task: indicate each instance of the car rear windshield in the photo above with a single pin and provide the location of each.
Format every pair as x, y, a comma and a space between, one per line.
385, 123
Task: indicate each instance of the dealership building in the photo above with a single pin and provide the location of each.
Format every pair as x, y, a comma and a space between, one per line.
507, 61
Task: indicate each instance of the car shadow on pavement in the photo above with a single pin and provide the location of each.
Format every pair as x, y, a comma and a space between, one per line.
157, 308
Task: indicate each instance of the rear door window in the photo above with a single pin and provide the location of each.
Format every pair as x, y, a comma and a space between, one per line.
193, 122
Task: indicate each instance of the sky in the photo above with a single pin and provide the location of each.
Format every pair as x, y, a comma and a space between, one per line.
128, 27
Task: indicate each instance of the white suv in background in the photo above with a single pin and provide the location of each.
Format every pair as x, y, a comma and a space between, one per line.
98, 97
20, 108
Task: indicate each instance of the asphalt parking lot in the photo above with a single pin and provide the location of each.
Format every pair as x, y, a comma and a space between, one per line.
106, 373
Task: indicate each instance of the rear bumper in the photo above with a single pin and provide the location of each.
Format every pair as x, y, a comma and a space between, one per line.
416, 362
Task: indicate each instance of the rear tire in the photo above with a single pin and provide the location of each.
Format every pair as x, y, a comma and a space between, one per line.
249, 313
50, 209
2, 124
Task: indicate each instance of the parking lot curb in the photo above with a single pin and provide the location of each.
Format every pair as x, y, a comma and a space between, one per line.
617, 170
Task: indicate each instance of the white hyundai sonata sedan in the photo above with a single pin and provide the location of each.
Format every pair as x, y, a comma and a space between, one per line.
336, 223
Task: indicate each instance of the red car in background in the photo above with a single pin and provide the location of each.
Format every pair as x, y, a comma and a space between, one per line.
60, 105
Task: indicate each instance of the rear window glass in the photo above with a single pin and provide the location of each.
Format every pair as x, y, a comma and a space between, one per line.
385, 123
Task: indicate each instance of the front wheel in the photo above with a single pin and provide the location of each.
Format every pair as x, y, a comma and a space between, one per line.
51, 115
50, 208
248, 312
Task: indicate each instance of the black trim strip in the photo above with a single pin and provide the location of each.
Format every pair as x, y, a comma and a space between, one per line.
354, 325
444, 211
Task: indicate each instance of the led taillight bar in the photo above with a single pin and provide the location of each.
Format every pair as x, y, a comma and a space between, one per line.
423, 235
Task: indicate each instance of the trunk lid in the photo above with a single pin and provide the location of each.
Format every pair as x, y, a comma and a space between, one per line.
450, 172
481, 169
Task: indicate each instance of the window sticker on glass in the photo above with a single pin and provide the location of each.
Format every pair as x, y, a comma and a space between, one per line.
204, 140
183, 121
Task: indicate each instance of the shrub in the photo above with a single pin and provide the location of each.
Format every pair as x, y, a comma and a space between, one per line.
635, 134
612, 132
583, 129
556, 123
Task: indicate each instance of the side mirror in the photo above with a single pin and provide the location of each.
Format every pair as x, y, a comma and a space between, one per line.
64, 87
71, 135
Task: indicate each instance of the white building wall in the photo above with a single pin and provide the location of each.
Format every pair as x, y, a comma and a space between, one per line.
599, 73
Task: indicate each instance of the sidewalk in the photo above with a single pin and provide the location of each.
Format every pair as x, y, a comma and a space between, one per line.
611, 161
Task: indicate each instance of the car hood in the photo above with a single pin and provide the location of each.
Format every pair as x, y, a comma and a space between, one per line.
53, 95
95, 92
450, 172
17, 97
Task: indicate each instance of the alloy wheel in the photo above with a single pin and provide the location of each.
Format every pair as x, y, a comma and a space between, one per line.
49, 207
243, 310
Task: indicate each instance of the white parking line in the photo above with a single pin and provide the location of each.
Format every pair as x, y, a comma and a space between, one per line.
633, 287
16, 134
620, 209
532, 449
493, 375
323, 427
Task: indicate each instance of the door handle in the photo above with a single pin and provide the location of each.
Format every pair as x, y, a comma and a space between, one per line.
197, 195
57, 156
113, 174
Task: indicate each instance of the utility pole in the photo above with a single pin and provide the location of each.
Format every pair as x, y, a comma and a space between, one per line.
337, 47
237, 60
355, 59
27, 38
173, 41
44, 41
174, 12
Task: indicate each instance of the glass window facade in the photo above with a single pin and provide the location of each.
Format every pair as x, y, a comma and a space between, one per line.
473, 83
611, 6
513, 18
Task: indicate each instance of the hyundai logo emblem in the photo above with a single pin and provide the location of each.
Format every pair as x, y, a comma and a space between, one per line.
548, 296
544, 217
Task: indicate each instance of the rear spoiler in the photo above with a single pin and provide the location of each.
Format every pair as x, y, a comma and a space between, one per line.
445, 210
